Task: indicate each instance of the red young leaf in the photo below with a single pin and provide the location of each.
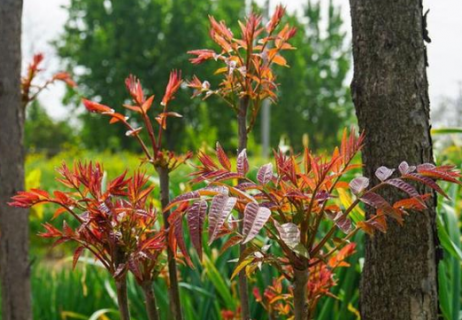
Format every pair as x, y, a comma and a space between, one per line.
341, 221
378, 202
242, 163
255, 218
230, 242
179, 236
223, 158
196, 216
219, 209
97, 107
406, 187
265, 173
426, 181
77, 254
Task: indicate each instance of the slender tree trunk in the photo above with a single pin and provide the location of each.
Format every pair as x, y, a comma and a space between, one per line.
122, 298
300, 303
14, 224
390, 93
242, 136
173, 290
151, 304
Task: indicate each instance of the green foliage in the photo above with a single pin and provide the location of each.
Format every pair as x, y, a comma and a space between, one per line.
105, 41
43, 134
313, 97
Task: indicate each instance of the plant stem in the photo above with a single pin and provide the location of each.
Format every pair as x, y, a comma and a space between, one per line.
242, 134
300, 303
150, 301
122, 298
173, 291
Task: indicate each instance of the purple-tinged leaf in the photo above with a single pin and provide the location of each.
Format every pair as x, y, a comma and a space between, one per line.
196, 216
378, 202
255, 218
242, 163
383, 173
216, 189
120, 271
179, 236
374, 200
219, 209
268, 204
342, 222
186, 197
227, 176
426, 181
133, 267
265, 173
223, 158
359, 184
404, 168
406, 187
289, 233
247, 186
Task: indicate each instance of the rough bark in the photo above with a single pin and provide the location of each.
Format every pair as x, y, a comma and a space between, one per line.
173, 289
14, 227
242, 144
300, 303
150, 302
390, 93
122, 298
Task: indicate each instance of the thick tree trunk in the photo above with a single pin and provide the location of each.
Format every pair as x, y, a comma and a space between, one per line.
173, 290
242, 144
390, 93
300, 303
14, 227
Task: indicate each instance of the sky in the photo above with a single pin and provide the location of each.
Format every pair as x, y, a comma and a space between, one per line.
43, 21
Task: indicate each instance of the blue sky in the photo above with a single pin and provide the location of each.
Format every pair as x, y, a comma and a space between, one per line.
43, 21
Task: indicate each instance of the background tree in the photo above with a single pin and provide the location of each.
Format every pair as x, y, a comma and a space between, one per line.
44, 134
390, 90
106, 40
14, 227
315, 88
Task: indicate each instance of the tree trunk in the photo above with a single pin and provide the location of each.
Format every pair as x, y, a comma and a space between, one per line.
122, 298
390, 93
300, 303
173, 289
242, 144
150, 301
14, 226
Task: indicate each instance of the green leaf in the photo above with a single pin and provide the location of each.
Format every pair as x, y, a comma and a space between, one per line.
446, 241
219, 282
446, 130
